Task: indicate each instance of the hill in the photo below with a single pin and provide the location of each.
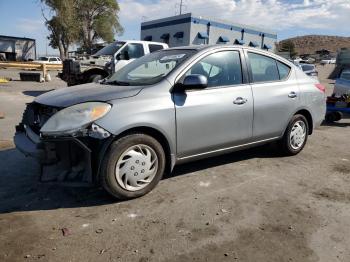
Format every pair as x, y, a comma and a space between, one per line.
309, 44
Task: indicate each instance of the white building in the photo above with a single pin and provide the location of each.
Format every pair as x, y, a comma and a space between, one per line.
17, 48
188, 29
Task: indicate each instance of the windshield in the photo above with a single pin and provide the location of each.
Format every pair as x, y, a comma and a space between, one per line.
345, 75
150, 69
111, 49
43, 58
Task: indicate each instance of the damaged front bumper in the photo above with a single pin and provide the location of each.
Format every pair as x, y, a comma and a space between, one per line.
63, 159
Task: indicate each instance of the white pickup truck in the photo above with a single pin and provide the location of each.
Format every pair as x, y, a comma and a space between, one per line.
106, 61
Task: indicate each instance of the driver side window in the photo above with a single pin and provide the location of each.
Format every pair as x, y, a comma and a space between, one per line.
134, 50
221, 69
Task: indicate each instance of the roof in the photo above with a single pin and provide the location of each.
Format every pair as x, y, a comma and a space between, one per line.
139, 41
198, 19
218, 46
17, 38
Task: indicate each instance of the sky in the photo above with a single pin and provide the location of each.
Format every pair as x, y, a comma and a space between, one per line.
288, 18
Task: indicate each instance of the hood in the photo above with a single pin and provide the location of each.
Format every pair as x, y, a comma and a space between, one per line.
69, 96
95, 60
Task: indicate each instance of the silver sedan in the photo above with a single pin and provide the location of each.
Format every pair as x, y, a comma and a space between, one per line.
166, 108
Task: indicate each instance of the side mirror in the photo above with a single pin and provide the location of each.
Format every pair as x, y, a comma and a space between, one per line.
195, 82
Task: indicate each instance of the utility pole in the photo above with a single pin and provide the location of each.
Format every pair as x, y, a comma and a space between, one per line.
180, 6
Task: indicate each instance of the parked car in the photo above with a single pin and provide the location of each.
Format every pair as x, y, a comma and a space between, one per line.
309, 69
169, 107
49, 60
106, 61
342, 84
308, 60
328, 61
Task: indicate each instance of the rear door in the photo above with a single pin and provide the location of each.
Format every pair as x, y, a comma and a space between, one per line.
276, 95
219, 116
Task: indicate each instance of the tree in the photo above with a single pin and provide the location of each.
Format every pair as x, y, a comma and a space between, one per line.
98, 20
62, 25
288, 46
81, 21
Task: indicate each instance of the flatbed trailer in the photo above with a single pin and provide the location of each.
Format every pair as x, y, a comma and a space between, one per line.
337, 109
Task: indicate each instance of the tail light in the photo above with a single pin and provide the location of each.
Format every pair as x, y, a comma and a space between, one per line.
321, 88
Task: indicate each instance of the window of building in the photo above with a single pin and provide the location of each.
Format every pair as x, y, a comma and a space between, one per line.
223, 39
221, 69
153, 48
253, 44
148, 38
264, 69
166, 38
179, 35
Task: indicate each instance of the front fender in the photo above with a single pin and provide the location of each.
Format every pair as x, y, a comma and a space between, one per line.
154, 110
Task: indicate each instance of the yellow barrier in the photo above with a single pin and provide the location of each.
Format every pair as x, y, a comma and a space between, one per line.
31, 65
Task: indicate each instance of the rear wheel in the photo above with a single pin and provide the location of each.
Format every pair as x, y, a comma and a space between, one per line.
133, 166
295, 136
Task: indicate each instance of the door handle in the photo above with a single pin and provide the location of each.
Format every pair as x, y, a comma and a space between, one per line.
292, 95
240, 101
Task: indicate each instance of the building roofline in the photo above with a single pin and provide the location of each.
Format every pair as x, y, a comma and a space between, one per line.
17, 38
190, 17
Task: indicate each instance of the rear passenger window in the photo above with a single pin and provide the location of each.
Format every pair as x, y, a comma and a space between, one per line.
221, 69
153, 48
283, 70
264, 69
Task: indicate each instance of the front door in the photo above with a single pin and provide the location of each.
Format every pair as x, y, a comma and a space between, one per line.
129, 53
219, 116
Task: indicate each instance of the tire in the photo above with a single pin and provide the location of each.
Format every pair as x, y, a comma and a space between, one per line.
333, 116
129, 159
289, 146
95, 78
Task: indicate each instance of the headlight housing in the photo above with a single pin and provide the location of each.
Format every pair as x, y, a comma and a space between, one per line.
74, 118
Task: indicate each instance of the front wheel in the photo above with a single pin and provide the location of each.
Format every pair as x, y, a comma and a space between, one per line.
295, 136
133, 166
95, 78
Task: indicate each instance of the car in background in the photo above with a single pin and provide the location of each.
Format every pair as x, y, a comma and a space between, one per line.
342, 84
170, 107
308, 60
49, 60
106, 61
328, 61
309, 69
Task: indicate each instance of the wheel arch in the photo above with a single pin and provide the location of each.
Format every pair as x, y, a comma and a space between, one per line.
153, 132
306, 113
94, 71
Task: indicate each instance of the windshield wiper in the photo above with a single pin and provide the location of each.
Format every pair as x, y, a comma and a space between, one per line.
116, 82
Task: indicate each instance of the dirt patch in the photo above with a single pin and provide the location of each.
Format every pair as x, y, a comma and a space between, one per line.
202, 233
344, 169
283, 235
17, 244
6, 144
332, 195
